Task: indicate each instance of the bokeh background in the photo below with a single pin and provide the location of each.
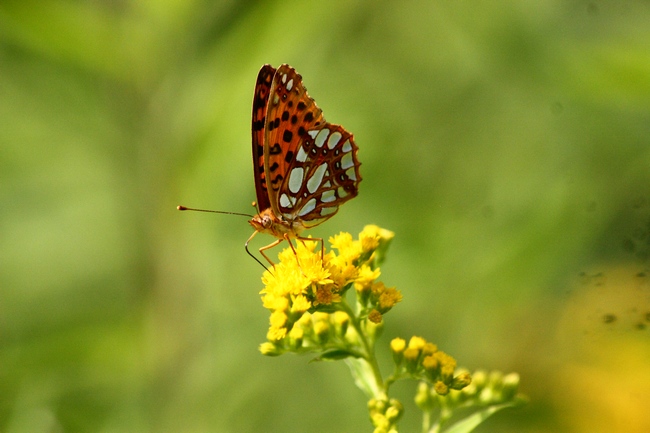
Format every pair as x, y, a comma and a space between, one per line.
506, 143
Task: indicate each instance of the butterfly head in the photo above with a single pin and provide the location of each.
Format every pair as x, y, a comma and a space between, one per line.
267, 222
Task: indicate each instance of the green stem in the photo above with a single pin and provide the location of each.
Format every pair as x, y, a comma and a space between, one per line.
368, 348
426, 421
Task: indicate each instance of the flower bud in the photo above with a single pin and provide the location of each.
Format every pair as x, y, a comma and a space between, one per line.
461, 381
397, 346
270, 349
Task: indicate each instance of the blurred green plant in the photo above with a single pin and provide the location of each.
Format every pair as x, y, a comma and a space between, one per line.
306, 294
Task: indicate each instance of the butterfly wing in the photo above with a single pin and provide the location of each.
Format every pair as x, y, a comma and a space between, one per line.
260, 100
312, 165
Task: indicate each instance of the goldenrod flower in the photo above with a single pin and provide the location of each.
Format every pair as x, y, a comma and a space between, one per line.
441, 388
429, 349
308, 294
306, 280
417, 343
369, 238
375, 242
397, 345
269, 349
411, 354
386, 297
374, 316
365, 278
300, 304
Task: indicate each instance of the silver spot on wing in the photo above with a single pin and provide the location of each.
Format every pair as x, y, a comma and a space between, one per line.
308, 207
334, 140
295, 179
315, 180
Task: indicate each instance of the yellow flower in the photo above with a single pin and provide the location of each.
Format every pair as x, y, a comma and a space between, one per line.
369, 238
411, 354
441, 388
375, 316
341, 273
429, 349
348, 250
341, 241
447, 365
275, 334
278, 319
366, 277
375, 242
300, 304
417, 343
309, 263
461, 381
285, 278
296, 332
397, 345
389, 298
430, 363
325, 296
269, 349
305, 279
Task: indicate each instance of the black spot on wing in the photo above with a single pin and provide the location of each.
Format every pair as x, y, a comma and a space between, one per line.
287, 136
277, 179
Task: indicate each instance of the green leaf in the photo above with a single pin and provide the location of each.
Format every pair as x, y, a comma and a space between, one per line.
363, 377
334, 355
472, 421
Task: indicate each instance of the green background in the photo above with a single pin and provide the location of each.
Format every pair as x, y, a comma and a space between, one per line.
506, 143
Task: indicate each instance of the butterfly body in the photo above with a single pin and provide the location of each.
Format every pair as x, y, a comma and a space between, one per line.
267, 222
304, 167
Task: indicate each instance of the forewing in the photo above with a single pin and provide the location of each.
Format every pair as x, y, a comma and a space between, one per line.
290, 114
260, 100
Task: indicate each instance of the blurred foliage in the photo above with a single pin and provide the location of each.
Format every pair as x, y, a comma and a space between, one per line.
506, 143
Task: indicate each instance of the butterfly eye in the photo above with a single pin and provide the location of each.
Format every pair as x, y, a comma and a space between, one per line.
267, 222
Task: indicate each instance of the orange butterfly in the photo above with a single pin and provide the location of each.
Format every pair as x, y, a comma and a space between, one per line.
304, 167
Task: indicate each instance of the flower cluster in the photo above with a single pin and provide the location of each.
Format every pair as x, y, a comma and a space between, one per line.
310, 296
486, 389
384, 414
422, 360
307, 281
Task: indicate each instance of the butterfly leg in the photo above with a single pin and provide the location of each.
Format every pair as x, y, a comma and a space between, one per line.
322, 245
261, 250
269, 246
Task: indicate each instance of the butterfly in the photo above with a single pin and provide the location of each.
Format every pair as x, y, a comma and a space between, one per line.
304, 167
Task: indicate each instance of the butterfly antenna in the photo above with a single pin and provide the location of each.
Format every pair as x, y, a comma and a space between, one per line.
213, 211
227, 213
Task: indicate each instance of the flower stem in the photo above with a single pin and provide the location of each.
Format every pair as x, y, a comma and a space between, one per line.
369, 352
